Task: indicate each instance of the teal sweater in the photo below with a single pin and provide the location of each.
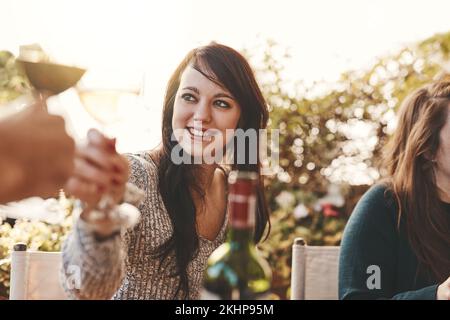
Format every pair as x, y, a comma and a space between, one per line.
371, 238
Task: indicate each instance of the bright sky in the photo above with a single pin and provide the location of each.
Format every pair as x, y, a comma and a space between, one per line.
326, 37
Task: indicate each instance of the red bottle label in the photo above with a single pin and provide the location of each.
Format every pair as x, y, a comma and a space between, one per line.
242, 204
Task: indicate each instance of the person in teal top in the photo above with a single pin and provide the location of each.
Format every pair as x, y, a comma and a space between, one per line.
396, 244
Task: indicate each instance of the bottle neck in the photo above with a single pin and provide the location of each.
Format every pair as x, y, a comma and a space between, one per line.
240, 239
240, 235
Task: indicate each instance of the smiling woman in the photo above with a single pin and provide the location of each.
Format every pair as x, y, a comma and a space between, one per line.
202, 109
184, 214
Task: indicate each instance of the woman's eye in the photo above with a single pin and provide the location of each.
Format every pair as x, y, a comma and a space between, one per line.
222, 104
188, 97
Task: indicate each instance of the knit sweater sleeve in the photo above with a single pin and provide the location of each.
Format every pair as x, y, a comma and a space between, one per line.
93, 268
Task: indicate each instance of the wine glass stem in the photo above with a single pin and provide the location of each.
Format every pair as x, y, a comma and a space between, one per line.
107, 202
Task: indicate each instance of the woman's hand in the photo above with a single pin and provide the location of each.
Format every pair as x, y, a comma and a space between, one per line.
443, 291
99, 170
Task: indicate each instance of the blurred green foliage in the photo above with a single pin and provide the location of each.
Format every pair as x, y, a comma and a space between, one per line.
13, 81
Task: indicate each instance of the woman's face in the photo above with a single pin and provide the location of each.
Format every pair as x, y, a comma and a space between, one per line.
443, 154
203, 112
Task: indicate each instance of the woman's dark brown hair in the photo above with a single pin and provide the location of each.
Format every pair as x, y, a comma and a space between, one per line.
229, 69
411, 164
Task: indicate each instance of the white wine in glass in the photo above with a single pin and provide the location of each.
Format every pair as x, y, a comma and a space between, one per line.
108, 106
108, 102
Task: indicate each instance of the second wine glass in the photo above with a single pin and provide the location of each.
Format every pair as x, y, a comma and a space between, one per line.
108, 96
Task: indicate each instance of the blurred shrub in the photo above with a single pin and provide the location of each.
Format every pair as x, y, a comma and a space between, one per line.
13, 82
37, 235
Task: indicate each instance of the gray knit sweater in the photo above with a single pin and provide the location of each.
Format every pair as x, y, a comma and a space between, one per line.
124, 267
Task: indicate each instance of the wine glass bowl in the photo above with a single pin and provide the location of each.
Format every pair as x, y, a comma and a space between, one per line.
107, 106
52, 77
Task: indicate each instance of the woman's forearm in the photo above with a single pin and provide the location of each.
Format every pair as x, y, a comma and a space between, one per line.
93, 268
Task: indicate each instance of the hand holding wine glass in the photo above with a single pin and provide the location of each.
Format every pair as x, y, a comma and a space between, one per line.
99, 170
107, 99
95, 182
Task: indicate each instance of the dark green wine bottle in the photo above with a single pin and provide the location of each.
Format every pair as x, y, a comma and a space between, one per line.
235, 271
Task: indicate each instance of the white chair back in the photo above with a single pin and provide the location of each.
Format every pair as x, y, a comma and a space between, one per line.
35, 275
314, 273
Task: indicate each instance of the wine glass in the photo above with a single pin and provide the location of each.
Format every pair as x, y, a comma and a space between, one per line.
43, 75
107, 97
55, 78
52, 77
